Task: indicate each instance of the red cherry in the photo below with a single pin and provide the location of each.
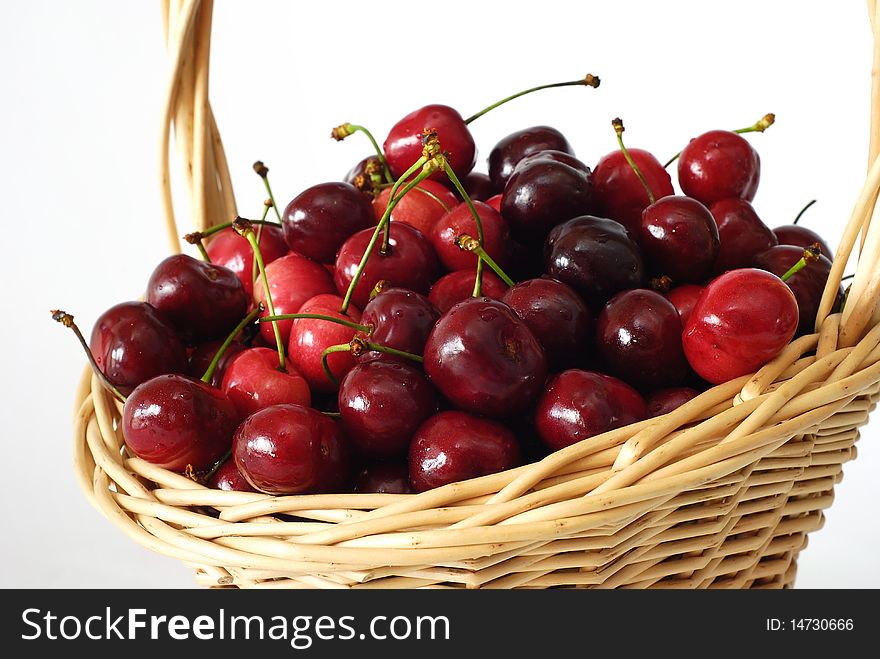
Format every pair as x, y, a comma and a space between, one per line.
718, 165
579, 404
400, 319
510, 150
742, 320
384, 478
200, 359
233, 251
420, 208
741, 233
455, 446
458, 286
799, 236
679, 238
459, 220
229, 479
252, 381
664, 401
619, 193
291, 449
684, 298
495, 202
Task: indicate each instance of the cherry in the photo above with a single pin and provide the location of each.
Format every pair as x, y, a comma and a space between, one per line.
310, 337
291, 449
201, 300
741, 234
684, 298
742, 320
403, 146
232, 251
679, 238
132, 342
381, 404
638, 335
454, 446
595, 256
495, 201
459, 220
808, 284
485, 359
318, 220
619, 193
512, 149
718, 165
384, 478
253, 381
293, 279
420, 208
401, 319
546, 189
799, 236
176, 422
579, 404
229, 478
200, 359
664, 401
458, 286
479, 187
410, 263
366, 176
557, 316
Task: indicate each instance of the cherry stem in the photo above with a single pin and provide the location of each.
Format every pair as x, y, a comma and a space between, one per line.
194, 237
358, 346
263, 172
213, 470
366, 329
67, 320
342, 347
662, 284
344, 130
758, 127
618, 128
588, 80
243, 228
803, 210
203, 251
842, 279
266, 205
811, 253
215, 361
386, 238
467, 243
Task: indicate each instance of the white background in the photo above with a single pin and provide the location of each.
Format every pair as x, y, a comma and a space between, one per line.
81, 86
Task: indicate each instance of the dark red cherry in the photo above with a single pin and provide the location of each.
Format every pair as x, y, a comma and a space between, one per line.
420, 208
293, 279
383, 478
664, 401
510, 150
201, 300
252, 381
459, 220
381, 404
619, 193
742, 320
800, 236
229, 479
679, 238
808, 284
684, 298
403, 146
202, 356
741, 234
318, 220
291, 449
401, 319
546, 189
132, 342
638, 335
595, 256
309, 338
173, 421
579, 404
557, 316
455, 446
718, 165
233, 251
484, 359
458, 286
410, 263
479, 187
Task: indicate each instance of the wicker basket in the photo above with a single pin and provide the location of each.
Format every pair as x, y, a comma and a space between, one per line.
721, 492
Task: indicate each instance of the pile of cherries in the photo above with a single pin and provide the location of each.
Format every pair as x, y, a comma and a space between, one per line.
419, 323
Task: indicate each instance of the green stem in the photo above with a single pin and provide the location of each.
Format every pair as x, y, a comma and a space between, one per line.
811, 253
194, 237
254, 271
247, 320
386, 238
803, 210
478, 281
210, 474
393, 351
263, 172
758, 127
589, 81
366, 329
469, 244
67, 320
203, 251
618, 128
342, 347
341, 132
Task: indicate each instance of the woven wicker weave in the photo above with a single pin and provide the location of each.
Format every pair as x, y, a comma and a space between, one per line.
721, 492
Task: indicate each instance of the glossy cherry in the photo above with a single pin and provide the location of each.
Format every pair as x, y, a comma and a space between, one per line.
510, 150
381, 404
684, 298
201, 300
742, 320
479, 186
679, 238
741, 234
176, 422
401, 319
619, 193
664, 401
291, 449
420, 208
132, 342
579, 404
459, 220
638, 335
495, 201
201, 356
233, 251
252, 381
485, 359
557, 316
718, 165
229, 479
383, 478
801, 236
458, 286
454, 446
